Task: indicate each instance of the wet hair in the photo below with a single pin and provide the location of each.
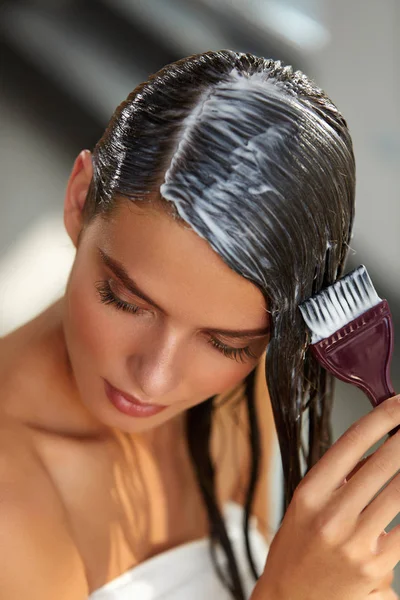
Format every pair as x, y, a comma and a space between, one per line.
259, 162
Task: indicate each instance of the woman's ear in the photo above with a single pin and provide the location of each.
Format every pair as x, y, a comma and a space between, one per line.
76, 192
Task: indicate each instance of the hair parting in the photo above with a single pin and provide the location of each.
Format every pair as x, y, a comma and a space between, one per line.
258, 161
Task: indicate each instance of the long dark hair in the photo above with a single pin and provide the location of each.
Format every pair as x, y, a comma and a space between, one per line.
259, 162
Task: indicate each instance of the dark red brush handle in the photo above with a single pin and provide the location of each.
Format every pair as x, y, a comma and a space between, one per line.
360, 354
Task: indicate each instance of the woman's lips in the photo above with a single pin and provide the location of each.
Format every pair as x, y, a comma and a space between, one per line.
130, 405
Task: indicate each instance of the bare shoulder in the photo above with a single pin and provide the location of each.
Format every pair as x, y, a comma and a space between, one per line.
37, 553
262, 499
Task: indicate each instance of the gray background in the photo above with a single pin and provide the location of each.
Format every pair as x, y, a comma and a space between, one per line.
66, 65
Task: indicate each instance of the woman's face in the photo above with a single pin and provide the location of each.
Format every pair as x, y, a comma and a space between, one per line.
167, 349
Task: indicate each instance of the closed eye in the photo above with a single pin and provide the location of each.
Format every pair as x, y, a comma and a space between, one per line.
107, 296
230, 352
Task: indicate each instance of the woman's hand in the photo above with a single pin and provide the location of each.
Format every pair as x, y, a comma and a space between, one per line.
384, 590
332, 543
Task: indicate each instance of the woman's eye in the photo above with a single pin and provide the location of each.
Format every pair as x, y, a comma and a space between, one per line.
107, 296
235, 353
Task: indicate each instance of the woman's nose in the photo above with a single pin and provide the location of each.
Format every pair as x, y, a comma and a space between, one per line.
156, 369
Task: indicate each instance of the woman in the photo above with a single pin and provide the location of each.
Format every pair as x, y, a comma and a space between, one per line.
220, 196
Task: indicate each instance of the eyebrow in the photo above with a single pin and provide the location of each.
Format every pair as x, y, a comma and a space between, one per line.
120, 271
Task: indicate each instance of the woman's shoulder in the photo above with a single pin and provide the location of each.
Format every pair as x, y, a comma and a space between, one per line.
36, 542
25, 484
31, 362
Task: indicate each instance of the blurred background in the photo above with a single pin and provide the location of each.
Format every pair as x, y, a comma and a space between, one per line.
67, 64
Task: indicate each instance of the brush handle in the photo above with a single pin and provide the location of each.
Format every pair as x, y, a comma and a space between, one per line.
360, 354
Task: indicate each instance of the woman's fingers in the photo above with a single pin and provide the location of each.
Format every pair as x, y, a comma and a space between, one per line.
358, 497
386, 583
380, 512
387, 549
354, 471
328, 474
384, 591
386, 595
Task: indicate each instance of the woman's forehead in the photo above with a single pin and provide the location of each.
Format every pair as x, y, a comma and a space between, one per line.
174, 261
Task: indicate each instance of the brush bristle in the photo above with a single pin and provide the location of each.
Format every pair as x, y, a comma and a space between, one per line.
337, 305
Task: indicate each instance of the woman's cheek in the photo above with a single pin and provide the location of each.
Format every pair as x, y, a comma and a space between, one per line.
218, 377
224, 373
89, 329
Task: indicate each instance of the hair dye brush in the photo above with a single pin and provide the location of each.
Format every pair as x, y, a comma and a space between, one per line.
352, 334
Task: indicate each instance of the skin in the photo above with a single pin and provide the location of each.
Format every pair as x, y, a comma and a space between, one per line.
135, 471
339, 520
165, 357
160, 357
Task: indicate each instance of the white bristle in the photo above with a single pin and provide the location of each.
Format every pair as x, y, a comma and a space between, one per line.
337, 305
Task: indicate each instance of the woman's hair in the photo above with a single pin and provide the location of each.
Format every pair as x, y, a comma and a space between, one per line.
259, 162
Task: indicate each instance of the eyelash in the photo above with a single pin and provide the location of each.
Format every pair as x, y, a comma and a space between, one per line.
107, 296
